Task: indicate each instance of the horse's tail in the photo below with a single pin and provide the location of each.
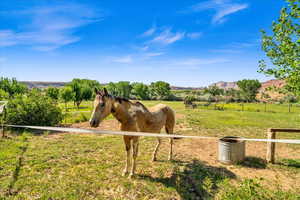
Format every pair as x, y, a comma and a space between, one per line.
170, 121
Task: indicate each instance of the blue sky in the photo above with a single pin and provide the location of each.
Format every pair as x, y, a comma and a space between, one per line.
186, 43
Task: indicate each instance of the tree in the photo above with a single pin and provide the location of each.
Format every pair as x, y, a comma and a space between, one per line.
124, 89
214, 91
12, 86
66, 94
3, 95
249, 89
82, 89
283, 47
160, 90
140, 91
52, 92
112, 88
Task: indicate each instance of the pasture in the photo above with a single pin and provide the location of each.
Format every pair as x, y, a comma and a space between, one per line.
80, 166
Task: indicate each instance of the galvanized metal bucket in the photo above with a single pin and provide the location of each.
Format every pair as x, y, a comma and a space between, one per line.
231, 150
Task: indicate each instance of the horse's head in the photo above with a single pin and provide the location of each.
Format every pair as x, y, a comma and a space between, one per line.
102, 107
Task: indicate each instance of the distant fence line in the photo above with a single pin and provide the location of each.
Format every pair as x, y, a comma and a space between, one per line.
252, 107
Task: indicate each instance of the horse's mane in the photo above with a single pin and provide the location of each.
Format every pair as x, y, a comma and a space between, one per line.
137, 103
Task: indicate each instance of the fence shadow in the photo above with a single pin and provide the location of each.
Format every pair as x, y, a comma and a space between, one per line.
16, 173
290, 163
194, 180
254, 162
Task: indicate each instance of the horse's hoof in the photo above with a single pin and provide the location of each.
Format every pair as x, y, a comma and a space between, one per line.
131, 176
154, 159
124, 173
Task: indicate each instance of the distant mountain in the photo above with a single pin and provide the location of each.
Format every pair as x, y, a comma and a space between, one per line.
43, 84
185, 88
220, 84
226, 85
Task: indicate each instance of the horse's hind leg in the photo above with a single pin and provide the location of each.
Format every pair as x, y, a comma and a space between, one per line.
135, 149
156, 149
171, 149
169, 130
127, 142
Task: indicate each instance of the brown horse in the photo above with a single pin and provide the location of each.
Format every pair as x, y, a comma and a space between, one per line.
133, 116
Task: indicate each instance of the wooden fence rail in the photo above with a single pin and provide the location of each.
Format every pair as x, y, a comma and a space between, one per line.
270, 157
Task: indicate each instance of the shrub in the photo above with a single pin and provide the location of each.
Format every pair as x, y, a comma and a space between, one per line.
34, 109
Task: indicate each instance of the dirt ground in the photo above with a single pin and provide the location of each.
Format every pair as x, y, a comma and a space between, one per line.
206, 151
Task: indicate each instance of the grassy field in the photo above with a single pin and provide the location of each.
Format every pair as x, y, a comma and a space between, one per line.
77, 166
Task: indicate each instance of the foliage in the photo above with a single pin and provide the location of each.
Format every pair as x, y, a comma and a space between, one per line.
214, 91
12, 86
249, 89
52, 92
66, 94
3, 95
283, 47
83, 89
124, 89
120, 89
160, 90
140, 91
189, 100
33, 109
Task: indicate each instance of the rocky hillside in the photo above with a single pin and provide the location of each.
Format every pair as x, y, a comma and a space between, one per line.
272, 94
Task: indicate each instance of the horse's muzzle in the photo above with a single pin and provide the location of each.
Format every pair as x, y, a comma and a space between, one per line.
93, 123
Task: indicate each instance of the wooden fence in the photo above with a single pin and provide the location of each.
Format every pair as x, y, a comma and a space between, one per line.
270, 157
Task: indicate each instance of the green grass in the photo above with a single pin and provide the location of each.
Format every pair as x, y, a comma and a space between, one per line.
89, 167
73, 166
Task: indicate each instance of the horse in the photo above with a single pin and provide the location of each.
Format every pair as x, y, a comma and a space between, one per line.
133, 116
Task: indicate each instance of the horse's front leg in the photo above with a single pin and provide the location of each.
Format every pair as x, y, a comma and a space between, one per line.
127, 143
135, 149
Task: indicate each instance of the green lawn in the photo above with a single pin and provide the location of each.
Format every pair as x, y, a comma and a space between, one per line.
74, 166
89, 167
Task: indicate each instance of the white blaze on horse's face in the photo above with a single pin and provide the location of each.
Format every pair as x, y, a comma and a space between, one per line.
102, 108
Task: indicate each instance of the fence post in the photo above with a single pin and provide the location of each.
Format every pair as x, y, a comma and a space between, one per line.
271, 147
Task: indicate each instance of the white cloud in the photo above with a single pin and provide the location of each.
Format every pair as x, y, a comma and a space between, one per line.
123, 59
49, 28
149, 32
222, 9
167, 37
153, 54
194, 35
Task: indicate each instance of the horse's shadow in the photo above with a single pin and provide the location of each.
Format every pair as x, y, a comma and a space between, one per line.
194, 180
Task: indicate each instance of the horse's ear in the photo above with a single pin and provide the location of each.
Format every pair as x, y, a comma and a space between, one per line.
105, 92
96, 90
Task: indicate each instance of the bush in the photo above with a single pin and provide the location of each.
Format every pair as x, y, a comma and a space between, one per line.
34, 109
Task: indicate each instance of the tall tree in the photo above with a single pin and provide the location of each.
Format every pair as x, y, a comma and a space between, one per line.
214, 91
124, 89
140, 91
12, 86
160, 90
82, 89
249, 89
66, 94
52, 92
283, 47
